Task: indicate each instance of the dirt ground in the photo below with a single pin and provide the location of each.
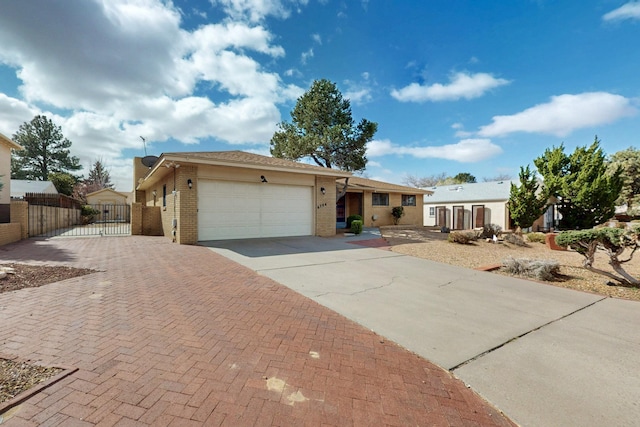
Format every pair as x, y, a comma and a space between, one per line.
16, 377
423, 242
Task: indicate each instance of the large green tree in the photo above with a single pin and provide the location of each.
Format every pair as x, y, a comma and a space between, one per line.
526, 203
64, 182
46, 151
323, 130
586, 192
629, 162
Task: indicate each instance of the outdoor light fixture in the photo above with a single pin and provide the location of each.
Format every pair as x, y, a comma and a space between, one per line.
190, 183
323, 190
154, 193
263, 179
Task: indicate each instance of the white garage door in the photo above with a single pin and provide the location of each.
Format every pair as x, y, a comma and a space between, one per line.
238, 210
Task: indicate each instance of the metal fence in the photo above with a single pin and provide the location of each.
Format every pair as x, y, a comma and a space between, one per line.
57, 215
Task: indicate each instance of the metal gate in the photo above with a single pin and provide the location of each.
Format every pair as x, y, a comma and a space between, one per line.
91, 220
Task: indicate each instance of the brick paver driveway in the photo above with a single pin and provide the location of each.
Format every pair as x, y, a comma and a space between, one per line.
177, 335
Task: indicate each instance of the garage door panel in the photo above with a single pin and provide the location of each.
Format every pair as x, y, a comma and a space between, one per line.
236, 210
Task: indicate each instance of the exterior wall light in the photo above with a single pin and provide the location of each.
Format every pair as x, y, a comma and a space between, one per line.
323, 190
190, 183
263, 179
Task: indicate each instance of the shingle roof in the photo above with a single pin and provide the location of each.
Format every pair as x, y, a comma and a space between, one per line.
358, 183
251, 159
476, 192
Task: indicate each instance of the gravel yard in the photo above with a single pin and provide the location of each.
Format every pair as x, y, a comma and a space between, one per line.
430, 244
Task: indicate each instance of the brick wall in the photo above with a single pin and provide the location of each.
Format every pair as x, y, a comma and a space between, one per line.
136, 219
413, 215
325, 206
9, 233
183, 206
146, 220
20, 215
152, 221
187, 207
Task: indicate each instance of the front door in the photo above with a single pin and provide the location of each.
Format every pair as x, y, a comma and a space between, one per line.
354, 204
341, 211
442, 216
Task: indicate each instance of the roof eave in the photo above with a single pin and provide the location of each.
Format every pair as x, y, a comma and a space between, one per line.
10, 143
166, 159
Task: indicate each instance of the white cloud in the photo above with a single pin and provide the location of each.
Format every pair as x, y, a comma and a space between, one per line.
14, 112
460, 132
563, 114
629, 10
125, 68
461, 85
358, 95
359, 92
306, 55
465, 151
316, 38
257, 10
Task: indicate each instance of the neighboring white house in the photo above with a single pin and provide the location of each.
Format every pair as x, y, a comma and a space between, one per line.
467, 206
19, 187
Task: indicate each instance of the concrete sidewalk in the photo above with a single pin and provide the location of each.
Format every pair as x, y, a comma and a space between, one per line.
171, 335
544, 355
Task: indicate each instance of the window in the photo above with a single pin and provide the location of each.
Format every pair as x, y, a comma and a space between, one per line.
380, 199
408, 200
164, 196
432, 211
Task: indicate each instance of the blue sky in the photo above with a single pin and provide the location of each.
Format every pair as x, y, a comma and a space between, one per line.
455, 86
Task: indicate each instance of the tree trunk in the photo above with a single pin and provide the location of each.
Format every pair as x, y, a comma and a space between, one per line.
341, 192
615, 264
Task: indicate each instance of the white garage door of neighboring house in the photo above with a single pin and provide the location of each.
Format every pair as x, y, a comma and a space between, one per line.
239, 210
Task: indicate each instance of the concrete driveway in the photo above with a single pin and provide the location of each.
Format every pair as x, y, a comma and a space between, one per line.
544, 355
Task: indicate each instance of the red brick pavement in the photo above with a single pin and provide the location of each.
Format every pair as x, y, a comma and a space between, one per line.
172, 335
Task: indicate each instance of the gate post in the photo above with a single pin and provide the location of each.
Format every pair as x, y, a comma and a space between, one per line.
136, 219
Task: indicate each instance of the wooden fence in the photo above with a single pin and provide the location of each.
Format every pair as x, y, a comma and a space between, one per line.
53, 200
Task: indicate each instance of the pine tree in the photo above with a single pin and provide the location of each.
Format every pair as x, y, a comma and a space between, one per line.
525, 205
323, 129
46, 151
586, 192
629, 162
99, 177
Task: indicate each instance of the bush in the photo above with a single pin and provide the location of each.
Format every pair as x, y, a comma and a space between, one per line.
536, 237
462, 237
490, 230
515, 239
88, 210
88, 214
397, 212
352, 218
535, 268
356, 226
